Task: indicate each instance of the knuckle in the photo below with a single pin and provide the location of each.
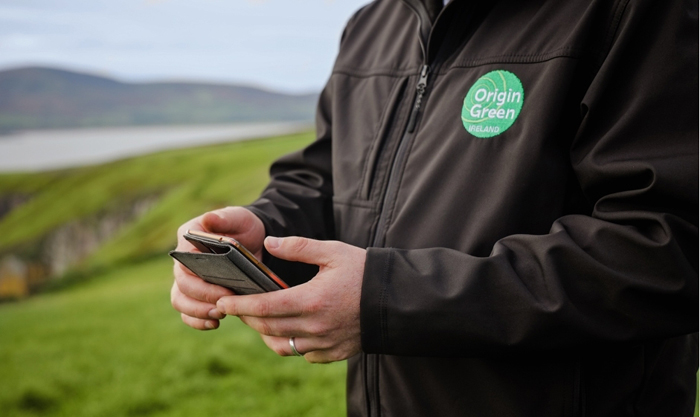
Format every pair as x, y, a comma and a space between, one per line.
318, 329
201, 312
211, 297
265, 328
335, 355
326, 344
229, 308
175, 302
313, 305
298, 244
263, 308
190, 321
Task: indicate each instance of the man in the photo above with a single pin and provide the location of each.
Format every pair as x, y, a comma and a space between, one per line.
524, 178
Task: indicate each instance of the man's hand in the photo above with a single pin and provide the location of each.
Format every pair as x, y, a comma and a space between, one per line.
323, 315
194, 298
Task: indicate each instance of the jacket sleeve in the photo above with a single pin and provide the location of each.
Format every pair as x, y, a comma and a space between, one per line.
298, 199
626, 272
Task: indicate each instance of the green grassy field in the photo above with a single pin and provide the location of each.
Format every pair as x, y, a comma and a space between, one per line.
108, 343
114, 347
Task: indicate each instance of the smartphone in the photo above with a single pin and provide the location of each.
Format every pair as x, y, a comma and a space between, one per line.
225, 261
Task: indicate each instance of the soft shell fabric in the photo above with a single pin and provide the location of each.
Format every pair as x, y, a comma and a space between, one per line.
548, 270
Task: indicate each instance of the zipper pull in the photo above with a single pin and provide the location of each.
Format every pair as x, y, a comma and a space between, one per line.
420, 91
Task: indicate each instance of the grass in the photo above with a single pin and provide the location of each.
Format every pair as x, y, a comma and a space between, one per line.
113, 346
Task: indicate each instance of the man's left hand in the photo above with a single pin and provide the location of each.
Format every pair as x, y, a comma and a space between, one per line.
323, 315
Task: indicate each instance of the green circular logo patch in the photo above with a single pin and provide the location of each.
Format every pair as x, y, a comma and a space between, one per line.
492, 104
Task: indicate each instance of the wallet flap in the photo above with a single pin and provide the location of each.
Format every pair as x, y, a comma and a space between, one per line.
218, 269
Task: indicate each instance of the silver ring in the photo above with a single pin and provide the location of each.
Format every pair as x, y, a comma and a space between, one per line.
294, 348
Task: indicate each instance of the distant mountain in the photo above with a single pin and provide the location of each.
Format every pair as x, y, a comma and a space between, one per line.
36, 97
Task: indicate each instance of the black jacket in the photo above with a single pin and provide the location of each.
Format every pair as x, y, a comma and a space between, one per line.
549, 269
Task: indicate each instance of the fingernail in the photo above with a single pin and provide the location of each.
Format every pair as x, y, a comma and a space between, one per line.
272, 242
209, 324
215, 314
219, 307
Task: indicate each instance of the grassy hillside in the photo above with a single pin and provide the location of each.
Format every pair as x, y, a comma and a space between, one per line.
112, 345
183, 182
36, 97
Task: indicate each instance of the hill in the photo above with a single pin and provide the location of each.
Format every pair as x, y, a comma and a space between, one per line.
77, 221
37, 97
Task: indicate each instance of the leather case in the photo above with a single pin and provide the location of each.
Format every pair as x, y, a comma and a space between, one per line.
227, 267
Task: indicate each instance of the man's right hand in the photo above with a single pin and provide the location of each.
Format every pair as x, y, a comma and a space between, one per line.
194, 298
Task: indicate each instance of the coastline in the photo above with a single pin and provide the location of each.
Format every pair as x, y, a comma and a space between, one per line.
44, 150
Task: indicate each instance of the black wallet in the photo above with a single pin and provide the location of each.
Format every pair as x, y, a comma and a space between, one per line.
223, 262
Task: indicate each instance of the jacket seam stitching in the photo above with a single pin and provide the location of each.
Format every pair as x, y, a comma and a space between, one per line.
384, 332
566, 52
385, 114
364, 204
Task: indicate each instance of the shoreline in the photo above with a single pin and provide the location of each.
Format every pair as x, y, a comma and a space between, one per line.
51, 149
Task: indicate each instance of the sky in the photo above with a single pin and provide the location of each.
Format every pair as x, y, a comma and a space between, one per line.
285, 45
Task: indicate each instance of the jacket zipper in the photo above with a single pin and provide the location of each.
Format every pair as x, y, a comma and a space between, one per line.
424, 33
422, 83
371, 362
390, 193
393, 183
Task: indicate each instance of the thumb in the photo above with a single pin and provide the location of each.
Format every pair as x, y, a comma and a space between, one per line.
301, 249
229, 220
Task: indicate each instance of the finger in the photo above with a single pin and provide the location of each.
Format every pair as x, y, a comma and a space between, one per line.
195, 287
281, 346
199, 324
325, 356
291, 302
192, 307
229, 220
301, 249
282, 327
277, 345
330, 352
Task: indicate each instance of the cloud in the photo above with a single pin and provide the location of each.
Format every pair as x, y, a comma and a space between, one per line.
19, 41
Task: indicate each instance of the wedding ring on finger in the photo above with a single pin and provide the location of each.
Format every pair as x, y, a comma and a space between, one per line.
294, 347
